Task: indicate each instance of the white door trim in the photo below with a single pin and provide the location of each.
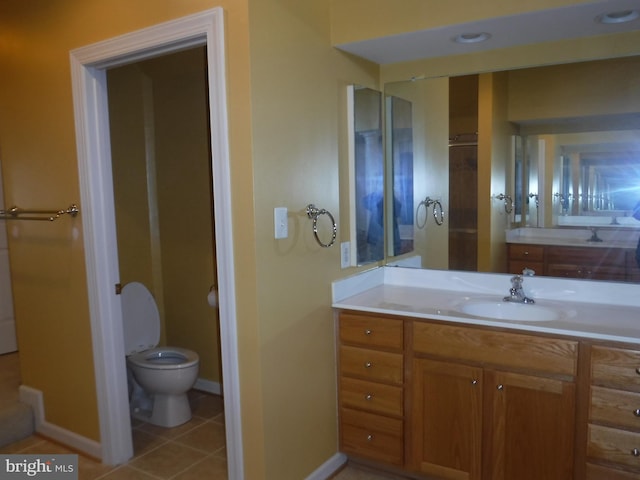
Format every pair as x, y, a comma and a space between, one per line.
88, 65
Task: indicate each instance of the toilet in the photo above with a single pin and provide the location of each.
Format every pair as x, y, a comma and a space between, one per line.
158, 377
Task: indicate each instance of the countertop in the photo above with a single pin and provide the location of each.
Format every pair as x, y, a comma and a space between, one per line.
588, 309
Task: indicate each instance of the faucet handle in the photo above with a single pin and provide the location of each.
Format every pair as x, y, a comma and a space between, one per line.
516, 281
528, 272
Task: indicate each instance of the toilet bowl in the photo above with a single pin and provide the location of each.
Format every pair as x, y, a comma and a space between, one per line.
158, 377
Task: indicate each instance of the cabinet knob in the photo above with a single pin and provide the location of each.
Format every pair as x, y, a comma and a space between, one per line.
636, 412
635, 452
368, 332
525, 253
369, 438
368, 365
500, 387
368, 396
638, 370
474, 382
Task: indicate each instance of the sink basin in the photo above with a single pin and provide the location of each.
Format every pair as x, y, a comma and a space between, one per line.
509, 311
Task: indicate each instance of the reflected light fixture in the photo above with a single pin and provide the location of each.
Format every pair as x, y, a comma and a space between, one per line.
471, 37
621, 16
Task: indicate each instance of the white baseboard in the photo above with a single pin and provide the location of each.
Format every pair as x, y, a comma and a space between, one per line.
208, 386
33, 397
328, 468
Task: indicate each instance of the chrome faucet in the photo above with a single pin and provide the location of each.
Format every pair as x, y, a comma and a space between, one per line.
516, 292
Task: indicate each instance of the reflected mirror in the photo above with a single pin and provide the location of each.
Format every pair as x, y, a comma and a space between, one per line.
542, 149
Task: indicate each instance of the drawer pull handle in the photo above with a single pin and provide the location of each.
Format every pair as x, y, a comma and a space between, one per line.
369, 438
635, 452
368, 332
500, 387
636, 412
368, 365
368, 397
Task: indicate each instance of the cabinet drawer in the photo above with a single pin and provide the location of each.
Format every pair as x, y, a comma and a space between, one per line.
616, 367
371, 331
511, 350
372, 436
587, 256
517, 267
532, 253
375, 397
613, 445
615, 407
371, 364
598, 472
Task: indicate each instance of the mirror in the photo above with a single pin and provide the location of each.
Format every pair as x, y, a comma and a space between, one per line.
544, 147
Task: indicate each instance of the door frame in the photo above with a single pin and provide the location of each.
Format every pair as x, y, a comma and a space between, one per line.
88, 66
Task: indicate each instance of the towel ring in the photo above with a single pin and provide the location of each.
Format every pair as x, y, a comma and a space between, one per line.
438, 212
313, 212
508, 202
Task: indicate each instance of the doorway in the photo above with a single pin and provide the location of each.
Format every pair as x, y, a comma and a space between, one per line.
89, 72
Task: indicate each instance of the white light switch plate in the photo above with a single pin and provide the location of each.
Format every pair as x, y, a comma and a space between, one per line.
281, 223
345, 254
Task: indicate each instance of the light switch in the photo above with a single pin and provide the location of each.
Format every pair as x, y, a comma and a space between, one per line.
281, 223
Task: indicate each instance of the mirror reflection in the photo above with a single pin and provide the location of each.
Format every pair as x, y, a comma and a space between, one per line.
515, 157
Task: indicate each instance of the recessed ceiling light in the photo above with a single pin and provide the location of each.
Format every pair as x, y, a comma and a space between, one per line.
471, 37
618, 17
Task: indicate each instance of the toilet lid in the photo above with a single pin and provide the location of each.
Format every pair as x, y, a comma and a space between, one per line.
140, 318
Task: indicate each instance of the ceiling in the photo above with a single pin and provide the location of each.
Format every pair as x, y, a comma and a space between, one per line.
565, 23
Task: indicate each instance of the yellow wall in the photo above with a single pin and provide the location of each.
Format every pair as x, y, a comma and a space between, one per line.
286, 106
286, 118
39, 159
173, 255
575, 90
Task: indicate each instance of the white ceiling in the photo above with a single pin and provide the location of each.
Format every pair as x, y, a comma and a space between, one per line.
509, 31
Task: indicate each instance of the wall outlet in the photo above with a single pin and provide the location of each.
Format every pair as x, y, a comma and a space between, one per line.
280, 222
345, 254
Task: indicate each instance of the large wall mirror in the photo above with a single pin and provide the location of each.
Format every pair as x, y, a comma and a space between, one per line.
552, 147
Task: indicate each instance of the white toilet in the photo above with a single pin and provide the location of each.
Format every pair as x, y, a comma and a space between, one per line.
159, 377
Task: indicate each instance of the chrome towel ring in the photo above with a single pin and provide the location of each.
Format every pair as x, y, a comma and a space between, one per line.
508, 202
313, 212
438, 212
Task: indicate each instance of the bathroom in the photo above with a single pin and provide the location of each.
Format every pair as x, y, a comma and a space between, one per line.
162, 192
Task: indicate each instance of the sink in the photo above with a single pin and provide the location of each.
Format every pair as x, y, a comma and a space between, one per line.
518, 312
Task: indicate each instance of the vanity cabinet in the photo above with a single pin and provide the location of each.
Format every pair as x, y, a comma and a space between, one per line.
371, 387
524, 256
613, 443
492, 405
595, 263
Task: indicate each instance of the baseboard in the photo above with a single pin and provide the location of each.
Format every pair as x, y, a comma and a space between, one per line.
208, 386
33, 397
329, 468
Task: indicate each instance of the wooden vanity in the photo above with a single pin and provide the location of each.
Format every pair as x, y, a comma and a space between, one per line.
586, 262
439, 400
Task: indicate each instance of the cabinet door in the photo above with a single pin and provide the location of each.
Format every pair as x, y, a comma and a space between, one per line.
530, 424
447, 420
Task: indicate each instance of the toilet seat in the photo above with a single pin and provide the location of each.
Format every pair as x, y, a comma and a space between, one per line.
165, 358
140, 319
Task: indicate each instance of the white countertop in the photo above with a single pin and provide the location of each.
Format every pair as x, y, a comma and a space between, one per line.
588, 309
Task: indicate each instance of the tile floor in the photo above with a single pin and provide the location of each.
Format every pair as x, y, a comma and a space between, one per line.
195, 450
